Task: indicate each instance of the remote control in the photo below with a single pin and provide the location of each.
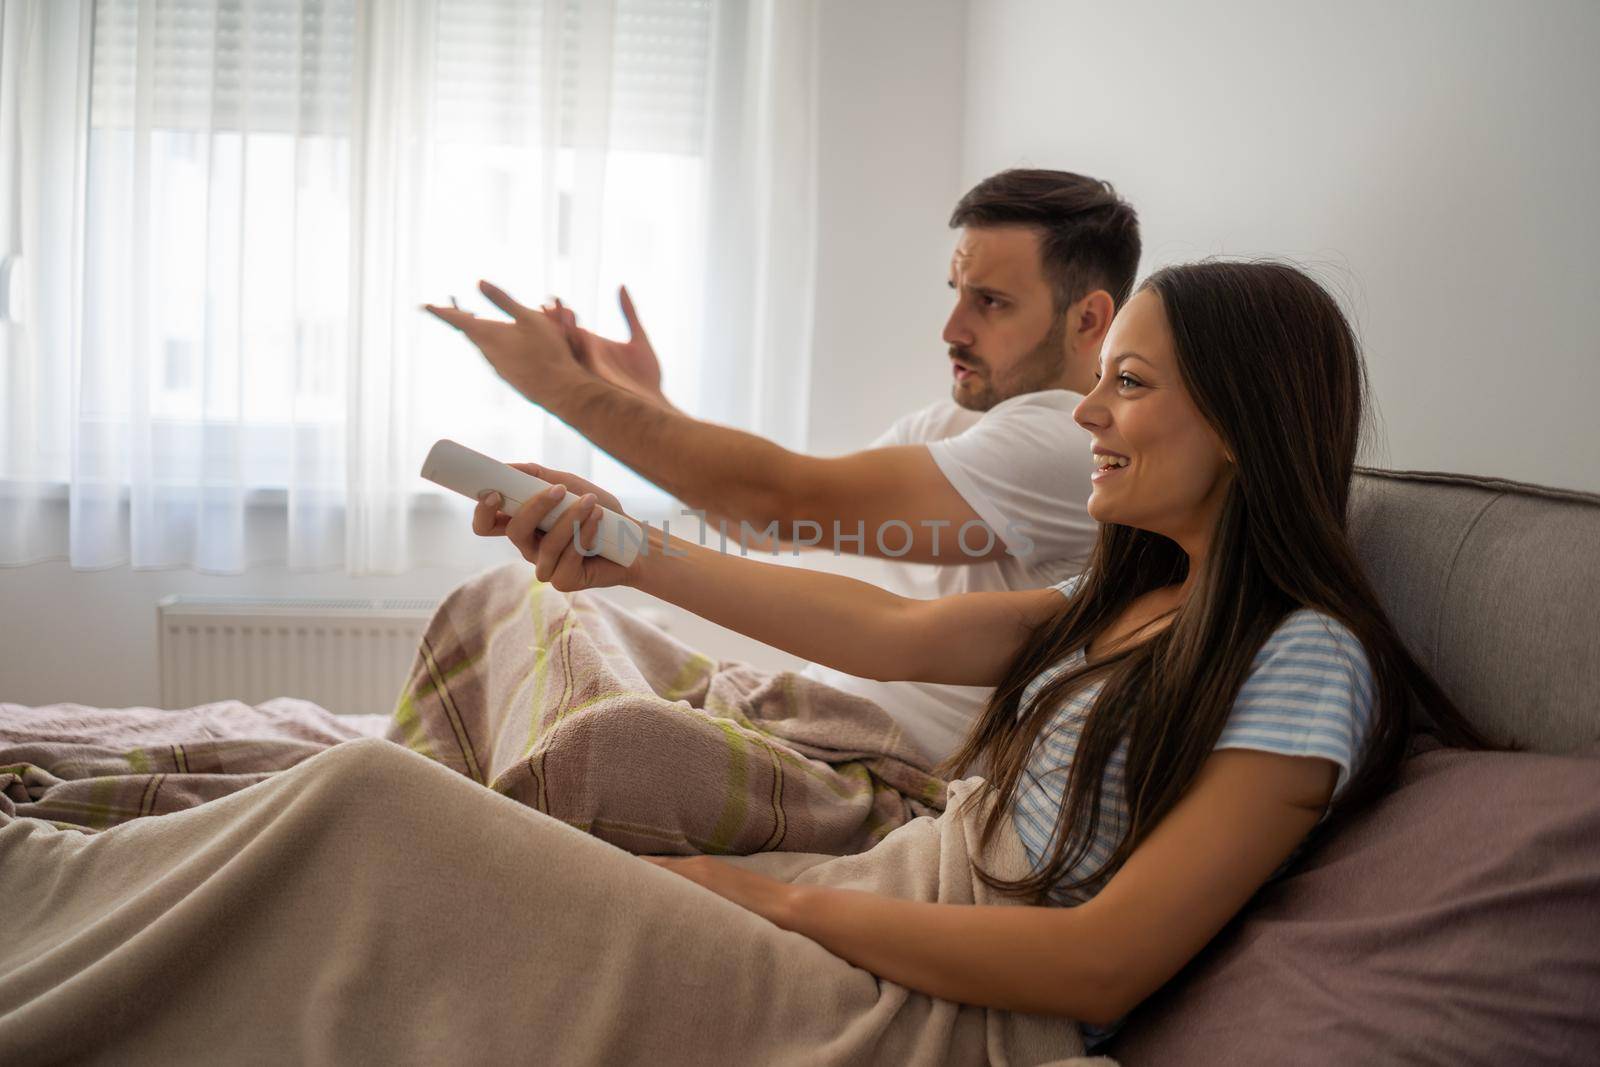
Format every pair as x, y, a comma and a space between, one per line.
470, 473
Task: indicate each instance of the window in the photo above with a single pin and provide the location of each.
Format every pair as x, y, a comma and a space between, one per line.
226, 214
557, 159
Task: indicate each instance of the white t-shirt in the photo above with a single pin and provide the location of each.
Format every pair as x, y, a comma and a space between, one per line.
1024, 467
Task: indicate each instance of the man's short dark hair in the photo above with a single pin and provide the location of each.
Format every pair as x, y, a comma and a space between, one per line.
1088, 236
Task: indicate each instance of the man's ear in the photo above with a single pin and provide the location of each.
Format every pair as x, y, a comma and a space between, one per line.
1090, 318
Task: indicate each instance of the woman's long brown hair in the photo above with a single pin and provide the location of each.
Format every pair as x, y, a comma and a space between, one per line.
1273, 366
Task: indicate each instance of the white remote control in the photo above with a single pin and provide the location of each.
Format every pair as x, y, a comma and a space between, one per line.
471, 474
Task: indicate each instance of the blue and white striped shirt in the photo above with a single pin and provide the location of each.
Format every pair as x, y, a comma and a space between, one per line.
1309, 693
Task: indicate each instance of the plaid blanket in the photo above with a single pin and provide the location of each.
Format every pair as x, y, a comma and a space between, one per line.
90, 769
578, 708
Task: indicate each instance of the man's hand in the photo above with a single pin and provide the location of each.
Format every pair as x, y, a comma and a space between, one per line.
530, 352
630, 364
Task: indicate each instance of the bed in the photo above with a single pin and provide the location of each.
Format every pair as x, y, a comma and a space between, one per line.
1457, 921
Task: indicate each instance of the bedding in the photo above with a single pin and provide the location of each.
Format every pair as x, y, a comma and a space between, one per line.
1456, 921
562, 702
93, 768
349, 897
369, 905
580, 709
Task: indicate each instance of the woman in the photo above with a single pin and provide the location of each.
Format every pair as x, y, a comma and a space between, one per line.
1168, 729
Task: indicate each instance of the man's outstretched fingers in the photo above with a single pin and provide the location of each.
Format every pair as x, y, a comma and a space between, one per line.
565, 315
635, 328
502, 300
451, 316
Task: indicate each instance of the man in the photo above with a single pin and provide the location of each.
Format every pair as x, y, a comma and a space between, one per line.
989, 486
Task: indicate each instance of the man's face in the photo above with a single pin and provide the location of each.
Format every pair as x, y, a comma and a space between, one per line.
1005, 336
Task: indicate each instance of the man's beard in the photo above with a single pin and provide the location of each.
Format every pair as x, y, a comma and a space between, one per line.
1040, 369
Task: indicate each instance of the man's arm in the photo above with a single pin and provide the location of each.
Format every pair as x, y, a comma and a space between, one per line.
888, 502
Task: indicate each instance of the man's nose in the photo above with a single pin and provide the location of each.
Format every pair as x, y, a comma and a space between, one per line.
955, 329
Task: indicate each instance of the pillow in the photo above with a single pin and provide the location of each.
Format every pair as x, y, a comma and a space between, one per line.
1456, 920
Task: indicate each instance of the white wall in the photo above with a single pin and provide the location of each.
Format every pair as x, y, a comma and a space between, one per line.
891, 118
889, 130
1438, 160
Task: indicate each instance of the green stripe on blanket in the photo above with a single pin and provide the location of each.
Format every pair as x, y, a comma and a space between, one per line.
90, 769
576, 707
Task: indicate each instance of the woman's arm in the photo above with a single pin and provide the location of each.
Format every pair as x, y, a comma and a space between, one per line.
1243, 816
1032, 959
849, 625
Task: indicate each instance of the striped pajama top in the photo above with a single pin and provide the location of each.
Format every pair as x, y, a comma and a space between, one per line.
1309, 693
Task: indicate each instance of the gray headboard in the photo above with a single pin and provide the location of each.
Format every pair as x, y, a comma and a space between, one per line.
1495, 587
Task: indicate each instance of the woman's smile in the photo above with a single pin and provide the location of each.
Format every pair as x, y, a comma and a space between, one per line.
1107, 464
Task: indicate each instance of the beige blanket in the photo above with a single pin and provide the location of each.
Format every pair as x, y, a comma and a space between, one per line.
369, 905
581, 710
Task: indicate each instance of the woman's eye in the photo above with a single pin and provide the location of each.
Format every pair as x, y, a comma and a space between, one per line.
1127, 381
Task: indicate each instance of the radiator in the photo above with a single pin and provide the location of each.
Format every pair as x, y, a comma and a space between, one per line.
350, 656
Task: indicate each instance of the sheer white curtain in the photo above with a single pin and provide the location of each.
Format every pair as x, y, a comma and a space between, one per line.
44, 91
222, 217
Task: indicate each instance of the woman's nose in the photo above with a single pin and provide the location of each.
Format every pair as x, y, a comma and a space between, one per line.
1090, 413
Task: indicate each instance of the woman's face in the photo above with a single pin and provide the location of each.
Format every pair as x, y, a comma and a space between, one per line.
1158, 464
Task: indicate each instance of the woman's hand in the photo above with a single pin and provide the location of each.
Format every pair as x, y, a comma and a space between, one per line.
767, 897
558, 555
